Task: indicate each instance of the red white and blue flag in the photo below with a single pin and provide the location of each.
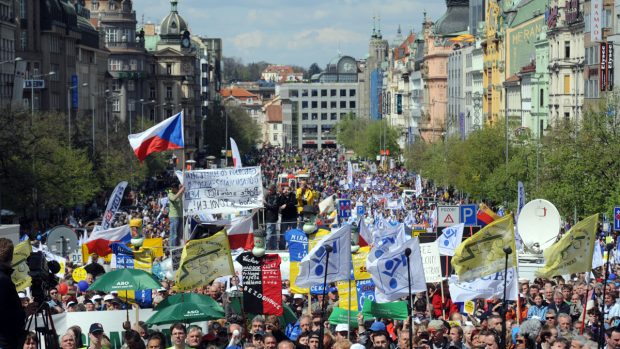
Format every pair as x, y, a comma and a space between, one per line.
166, 135
99, 241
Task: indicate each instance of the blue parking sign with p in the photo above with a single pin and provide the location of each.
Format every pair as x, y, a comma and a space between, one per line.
617, 218
468, 214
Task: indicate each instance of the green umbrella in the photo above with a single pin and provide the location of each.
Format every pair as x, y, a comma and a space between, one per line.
185, 312
189, 298
125, 280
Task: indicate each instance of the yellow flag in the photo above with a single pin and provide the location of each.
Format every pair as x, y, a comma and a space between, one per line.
359, 263
483, 253
573, 253
204, 260
156, 245
343, 295
20, 276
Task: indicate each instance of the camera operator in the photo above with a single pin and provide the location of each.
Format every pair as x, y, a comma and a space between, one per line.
13, 317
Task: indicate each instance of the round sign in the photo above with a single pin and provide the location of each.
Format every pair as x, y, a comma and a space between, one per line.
79, 274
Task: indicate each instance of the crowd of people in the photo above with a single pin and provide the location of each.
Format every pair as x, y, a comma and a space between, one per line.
574, 312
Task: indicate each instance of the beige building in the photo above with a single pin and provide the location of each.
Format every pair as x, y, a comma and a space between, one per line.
272, 130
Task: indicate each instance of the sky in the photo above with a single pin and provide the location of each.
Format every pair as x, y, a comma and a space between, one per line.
295, 32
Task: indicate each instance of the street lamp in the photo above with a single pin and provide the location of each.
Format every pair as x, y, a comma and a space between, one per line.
69, 107
142, 103
32, 92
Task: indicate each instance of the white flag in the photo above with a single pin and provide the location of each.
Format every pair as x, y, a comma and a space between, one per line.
418, 186
433, 219
485, 287
385, 240
350, 174
312, 266
365, 233
235, 154
597, 257
449, 240
327, 205
389, 272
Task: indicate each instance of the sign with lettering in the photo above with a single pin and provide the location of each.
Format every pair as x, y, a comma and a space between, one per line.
262, 284
224, 191
431, 262
603, 67
610, 66
596, 24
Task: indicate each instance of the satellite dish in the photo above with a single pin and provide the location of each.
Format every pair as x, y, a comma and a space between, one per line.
62, 241
538, 224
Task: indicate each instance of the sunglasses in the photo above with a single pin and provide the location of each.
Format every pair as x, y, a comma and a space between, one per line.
550, 317
520, 341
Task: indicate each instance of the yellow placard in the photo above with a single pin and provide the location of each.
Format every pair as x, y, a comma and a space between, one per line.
79, 274
343, 295
469, 307
359, 263
156, 245
20, 276
294, 271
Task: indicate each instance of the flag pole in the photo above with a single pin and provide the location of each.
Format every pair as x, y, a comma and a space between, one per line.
349, 312
409, 303
507, 252
328, 250
183, 184
601, 338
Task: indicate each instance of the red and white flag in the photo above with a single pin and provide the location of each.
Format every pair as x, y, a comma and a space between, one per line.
235, 154
240, 234
100, 240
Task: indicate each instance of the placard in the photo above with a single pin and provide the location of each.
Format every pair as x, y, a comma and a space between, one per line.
431, 262
225, 190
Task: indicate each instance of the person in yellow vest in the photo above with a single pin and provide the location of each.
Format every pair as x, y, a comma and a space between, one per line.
305, 196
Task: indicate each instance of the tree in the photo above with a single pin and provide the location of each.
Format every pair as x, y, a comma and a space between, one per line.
241, 127
365, 137
313, 69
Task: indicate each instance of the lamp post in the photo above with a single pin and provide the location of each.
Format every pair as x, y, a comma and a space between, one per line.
142, 103
16, 59
32, 92
69, 89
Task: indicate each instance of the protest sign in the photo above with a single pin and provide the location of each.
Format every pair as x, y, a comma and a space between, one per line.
431, 262
262, 284
392, 310
225, 190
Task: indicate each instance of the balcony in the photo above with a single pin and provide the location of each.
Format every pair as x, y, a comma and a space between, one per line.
125, 45
130, 75
116, 15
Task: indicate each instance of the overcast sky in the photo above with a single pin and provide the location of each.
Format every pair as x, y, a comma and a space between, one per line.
297, 32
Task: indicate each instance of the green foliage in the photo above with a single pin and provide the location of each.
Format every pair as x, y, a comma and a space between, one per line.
577, 167
236, 70
241, 127
366, 138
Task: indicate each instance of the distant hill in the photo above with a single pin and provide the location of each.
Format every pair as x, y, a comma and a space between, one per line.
235, 70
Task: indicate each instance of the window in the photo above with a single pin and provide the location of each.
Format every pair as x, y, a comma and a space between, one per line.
566, 49
566, 115
323, 93
304, 104
606, 19
169, 68
324, 104
168, 92
94, 5
343, 104
275, 138
304, 93
566, 84
152, 93
315, 116
541, 97
334, 116
133, 64
314, 104
351, 93
323, 116
315, 93
343, 93
111, 35
304, 116
333, 104
131, 86
332, 92
116, 105
294, 93
352, 104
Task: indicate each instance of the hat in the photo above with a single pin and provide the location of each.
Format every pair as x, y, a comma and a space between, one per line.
314, 334
377, 326
342, 328
161, 289
88, 301
357, 346
70, 304
96, 297
108, 297
96, 327
114, 293
259, 334
436, 324
333, 290
309, 209
21, 295
298, 296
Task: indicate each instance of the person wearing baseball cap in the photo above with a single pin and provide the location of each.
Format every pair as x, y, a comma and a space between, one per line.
95, 333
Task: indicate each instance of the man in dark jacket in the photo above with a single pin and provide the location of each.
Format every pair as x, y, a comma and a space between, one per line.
558, 304
13, 317
271, 218
288, 207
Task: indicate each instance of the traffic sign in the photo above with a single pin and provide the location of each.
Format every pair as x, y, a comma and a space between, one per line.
448, 215
468, 214
361, 210
344, 208
36, 84
617, 218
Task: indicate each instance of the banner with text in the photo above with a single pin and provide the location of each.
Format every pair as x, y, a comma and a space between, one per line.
225, 190
262, 284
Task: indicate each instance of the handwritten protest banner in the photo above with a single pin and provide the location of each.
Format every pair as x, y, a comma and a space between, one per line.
431, 262
224, 190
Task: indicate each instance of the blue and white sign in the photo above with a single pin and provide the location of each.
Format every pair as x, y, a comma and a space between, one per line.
344, 208
36, 84
617, 218
361, 210
468, 214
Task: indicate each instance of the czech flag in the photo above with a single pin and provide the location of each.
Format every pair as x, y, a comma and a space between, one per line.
486, 216
166, 135
100, 240
241, 234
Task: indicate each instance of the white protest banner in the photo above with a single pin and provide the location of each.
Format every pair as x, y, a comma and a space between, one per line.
431, 262
484, 287
112, 322
113, 204
225, 190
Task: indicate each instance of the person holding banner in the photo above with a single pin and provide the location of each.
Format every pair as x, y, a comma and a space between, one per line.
175, 206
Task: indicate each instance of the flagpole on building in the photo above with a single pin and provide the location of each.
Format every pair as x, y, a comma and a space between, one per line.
328, 250
409, 301
507, 251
